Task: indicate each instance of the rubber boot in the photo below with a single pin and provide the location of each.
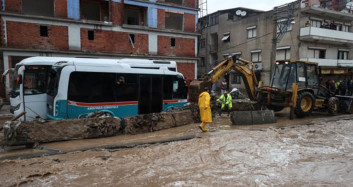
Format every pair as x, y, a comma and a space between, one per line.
203, 127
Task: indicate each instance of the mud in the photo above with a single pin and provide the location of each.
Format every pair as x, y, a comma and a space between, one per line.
316, 154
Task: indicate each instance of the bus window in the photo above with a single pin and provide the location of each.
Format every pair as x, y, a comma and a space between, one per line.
180, 91
126, 87
174, 87
91, 87
168, 89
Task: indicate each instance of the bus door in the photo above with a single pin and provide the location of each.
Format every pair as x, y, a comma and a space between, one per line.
34, 92
150, 100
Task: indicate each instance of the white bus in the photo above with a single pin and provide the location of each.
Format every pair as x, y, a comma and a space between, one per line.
41, 91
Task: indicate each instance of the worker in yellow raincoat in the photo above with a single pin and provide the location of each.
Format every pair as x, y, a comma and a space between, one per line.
205, 109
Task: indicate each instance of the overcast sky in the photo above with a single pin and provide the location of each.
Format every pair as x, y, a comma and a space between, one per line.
214, 5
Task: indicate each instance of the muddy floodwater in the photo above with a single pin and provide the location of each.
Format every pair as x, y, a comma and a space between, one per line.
319, 154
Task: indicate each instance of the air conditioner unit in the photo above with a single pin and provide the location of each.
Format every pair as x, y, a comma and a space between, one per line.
258, 66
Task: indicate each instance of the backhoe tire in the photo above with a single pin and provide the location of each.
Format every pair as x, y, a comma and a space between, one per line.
275, 108
305, 104
333, 105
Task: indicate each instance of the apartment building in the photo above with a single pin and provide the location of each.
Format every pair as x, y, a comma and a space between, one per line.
149, 29
318, 31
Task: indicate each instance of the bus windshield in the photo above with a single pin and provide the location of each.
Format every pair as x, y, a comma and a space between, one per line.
35, 80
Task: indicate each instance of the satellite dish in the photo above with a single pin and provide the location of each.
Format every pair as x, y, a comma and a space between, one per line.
238, 12
349, 6
243, 13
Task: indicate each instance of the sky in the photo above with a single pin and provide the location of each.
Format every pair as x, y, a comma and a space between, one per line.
214, 5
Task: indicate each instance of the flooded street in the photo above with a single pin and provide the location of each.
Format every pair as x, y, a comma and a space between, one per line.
297, 155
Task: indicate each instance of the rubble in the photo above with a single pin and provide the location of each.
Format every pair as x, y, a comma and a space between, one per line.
26, 133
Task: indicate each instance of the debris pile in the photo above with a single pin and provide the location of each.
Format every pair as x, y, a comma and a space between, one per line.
24, 133
154, 122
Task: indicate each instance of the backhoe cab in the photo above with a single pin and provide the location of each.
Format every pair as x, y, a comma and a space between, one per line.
296, 84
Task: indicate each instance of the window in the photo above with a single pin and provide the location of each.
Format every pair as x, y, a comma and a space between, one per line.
311, 75
90, 35
91, 87
301, 75
38, 7
318, 53
342, 55
90, 10
203, 62
214, 19
256, 56
178, 2
97, 10
135, 15
283, 54
174, 21
345, 28
315, 23
236, 79
202, 43
35, 79
126, 87
172, 42
226, 37
132, 38
43, 31
251, 32
174, 87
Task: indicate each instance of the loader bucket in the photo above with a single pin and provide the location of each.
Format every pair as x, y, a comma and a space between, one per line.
256, 117
196, 88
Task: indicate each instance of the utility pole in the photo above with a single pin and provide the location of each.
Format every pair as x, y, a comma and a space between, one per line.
283, 17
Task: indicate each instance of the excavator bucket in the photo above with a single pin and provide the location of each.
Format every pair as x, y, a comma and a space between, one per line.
255, 117
196, 88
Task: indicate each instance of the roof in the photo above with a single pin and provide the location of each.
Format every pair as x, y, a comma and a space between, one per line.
232, 10
131, 62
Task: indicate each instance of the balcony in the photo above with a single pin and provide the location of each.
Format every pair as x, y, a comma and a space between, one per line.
314, 34
330, 62
322, 12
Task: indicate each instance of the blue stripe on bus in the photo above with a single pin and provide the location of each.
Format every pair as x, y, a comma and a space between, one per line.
66, 111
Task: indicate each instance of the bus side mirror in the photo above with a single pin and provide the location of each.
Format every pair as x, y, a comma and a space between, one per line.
19, 79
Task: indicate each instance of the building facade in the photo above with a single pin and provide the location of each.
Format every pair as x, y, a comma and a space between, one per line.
149, 29
317, 31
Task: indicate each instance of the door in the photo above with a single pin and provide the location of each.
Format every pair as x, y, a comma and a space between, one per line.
34, 89
150, 100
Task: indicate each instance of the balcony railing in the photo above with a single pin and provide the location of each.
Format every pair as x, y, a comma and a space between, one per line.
330, 62
325, 35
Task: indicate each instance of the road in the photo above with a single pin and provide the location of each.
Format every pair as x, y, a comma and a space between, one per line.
308, 154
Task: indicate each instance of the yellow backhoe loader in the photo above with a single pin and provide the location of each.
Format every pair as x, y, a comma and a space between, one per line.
294, 84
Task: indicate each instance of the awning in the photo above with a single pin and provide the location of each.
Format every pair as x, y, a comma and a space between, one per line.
225, 37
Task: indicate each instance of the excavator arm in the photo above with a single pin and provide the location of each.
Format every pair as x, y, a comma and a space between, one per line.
240, 65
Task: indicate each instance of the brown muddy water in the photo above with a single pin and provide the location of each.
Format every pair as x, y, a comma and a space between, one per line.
319, 154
